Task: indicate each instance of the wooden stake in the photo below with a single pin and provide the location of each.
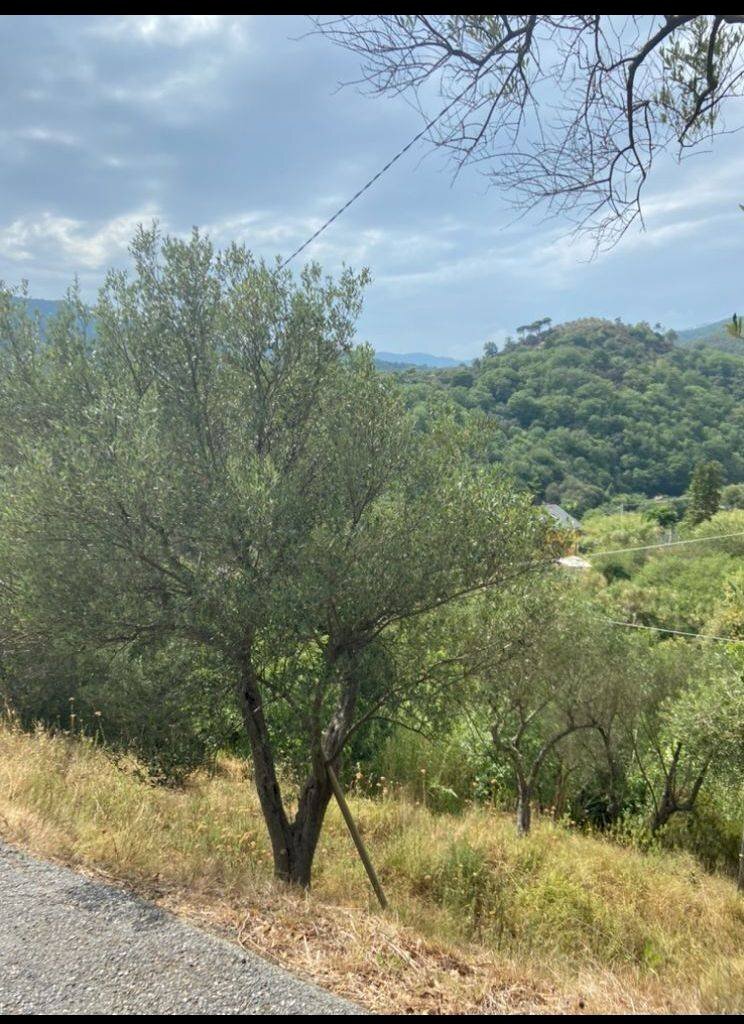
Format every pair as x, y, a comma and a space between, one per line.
356, 836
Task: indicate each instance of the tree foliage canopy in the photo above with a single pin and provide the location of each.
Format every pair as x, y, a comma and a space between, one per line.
217, 468
595, 408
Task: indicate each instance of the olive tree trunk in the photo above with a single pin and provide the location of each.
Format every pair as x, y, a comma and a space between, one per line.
672, 801
293, 843
524, 807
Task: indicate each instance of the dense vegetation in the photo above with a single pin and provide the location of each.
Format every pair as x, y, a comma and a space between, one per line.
596, 411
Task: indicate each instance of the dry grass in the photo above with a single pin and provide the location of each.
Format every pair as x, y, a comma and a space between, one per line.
481, 921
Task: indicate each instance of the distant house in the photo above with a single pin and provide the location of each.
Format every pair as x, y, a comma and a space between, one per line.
564, 519
574, 562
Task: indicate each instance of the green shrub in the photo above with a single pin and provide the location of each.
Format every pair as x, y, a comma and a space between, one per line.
171, 708
445, 774
464, 882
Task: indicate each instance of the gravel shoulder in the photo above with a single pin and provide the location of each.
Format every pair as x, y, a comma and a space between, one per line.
71, 945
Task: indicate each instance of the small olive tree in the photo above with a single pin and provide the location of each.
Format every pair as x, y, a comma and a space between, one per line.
675, 745
215, 464
559, 671
709, 719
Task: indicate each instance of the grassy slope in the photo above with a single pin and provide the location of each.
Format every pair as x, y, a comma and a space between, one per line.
481, 921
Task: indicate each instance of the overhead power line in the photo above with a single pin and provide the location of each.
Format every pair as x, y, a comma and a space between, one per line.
664, 629
676, 632
663, 544
376, 177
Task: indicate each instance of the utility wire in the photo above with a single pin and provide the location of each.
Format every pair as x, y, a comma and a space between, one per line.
365, 188
676, 632
663, 544
662, 629
357, 195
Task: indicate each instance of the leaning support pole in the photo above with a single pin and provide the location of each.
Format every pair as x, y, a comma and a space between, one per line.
356, 836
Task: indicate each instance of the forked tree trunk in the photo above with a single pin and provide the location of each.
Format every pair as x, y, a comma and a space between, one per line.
526, 773
667, 807
671, 802
306, 827
293, 843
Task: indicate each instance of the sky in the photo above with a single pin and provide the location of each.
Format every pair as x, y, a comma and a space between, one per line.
239, 125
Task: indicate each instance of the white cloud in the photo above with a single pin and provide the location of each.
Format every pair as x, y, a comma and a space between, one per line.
185, 83
51, 136
183, 91
270, 233
167, 66
696, 212
69, 245
174, 30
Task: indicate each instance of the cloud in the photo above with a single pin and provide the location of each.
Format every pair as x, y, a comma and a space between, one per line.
63, 246
695, 212
233, 123
50, 136
174, 30
270, 233
178, 65
698, 187
180, 94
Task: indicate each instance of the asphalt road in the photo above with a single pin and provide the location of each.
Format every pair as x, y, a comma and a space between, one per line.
69, 945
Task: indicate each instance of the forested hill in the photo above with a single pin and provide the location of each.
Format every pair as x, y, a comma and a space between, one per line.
714, 335
595, 409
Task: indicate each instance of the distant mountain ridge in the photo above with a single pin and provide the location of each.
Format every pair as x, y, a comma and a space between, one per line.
44, 307
387, 360
416, 359
713, 335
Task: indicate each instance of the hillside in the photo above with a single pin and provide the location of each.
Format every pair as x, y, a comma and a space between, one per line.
713, 335
481, 922
595, 409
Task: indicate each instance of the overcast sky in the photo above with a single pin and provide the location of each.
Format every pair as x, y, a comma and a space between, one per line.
237, 125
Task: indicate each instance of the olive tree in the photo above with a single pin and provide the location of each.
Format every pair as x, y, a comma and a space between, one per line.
564, 671
215, 464
675, 744
710, 717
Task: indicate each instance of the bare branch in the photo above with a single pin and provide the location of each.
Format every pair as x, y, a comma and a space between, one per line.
567, 112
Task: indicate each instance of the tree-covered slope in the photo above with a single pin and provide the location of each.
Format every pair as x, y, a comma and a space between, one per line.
595, 408
714, 335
